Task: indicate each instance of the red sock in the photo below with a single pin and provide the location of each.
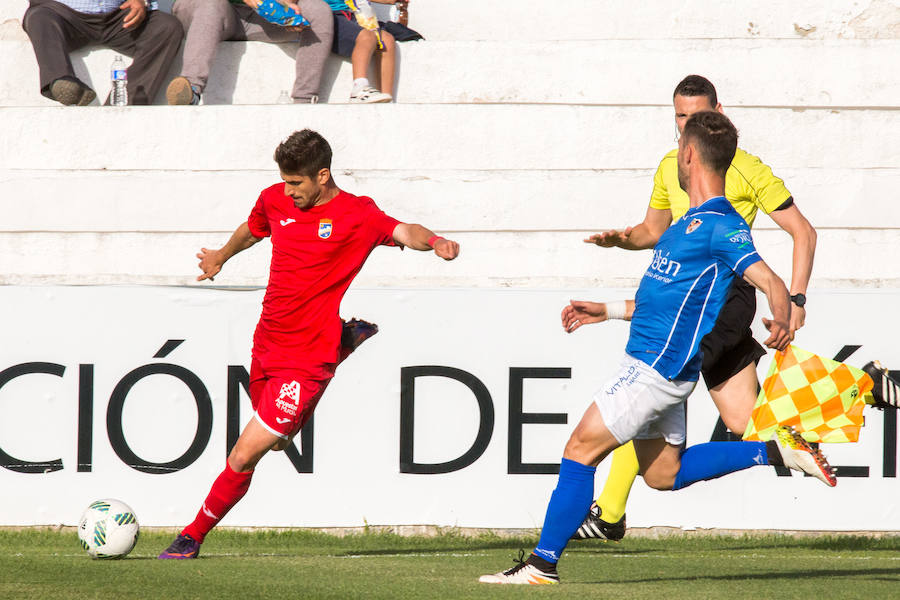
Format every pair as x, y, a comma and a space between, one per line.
228, 488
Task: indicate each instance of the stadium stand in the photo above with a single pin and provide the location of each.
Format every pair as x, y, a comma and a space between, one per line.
518, 131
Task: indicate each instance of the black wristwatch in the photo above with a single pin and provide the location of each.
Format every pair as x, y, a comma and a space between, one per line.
799, 300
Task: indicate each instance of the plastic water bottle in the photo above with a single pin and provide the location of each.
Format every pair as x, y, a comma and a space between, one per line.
119, 79
284, 98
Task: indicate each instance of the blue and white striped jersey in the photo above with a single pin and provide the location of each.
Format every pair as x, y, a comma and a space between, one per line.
680, 295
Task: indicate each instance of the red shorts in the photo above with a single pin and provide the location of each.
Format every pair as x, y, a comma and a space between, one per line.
284, 399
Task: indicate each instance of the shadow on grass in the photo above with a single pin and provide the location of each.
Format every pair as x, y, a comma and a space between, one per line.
599, 550
603, 550
432, 549
792, 575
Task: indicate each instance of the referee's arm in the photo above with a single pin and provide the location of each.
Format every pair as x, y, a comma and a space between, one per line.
765, 280
804, 236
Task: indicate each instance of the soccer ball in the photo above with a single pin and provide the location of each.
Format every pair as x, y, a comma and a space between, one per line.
108, 529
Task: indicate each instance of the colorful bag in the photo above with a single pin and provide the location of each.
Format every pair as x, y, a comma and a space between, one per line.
277, 12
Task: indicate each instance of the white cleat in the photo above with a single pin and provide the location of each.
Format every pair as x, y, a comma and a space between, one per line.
798, 454
524, 573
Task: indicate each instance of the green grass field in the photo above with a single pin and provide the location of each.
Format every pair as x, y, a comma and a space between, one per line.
49, 564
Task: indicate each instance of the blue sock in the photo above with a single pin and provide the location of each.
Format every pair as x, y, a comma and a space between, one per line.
714, 459
569, 505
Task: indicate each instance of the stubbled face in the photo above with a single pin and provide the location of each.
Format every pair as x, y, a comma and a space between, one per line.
687, 106
683, 175
304, 190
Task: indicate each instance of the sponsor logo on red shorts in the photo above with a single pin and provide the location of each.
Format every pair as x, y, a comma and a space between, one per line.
289, 398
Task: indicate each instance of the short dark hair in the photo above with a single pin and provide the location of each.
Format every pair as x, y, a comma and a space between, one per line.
697, 85
714, 137
304, 152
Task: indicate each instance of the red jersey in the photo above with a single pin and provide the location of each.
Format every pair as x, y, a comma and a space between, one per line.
316, 253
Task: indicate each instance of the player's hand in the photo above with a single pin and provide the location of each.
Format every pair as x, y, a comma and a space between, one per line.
137, 12
210, 263
798, 318
614, 238
446, 249
580, 312
780, 335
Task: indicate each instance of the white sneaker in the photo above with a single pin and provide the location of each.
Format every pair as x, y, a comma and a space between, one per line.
524, 573
369, 95
797, 454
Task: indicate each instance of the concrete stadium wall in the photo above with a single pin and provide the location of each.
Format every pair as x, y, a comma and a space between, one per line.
517, 133
520, 204
510, 135
480, 20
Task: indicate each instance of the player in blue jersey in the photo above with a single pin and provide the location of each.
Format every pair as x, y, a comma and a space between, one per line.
679, 297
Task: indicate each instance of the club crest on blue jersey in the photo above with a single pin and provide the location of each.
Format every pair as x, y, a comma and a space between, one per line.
325, 228
693, 226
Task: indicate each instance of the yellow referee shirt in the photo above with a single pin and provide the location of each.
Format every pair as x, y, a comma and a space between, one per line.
749, 185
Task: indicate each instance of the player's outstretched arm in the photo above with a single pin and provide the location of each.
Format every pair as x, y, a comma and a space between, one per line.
417, 237
640, 237
803, 233
581, 312
764, 279
211, 261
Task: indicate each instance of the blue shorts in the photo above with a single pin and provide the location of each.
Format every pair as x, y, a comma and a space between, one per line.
346, 29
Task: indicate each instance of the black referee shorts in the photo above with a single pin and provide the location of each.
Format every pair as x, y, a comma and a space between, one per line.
730, 346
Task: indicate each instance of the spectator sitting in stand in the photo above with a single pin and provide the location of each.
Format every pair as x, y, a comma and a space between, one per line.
132, 27
360, 44
207, 22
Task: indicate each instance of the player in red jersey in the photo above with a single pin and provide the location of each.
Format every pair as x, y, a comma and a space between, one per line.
321, 237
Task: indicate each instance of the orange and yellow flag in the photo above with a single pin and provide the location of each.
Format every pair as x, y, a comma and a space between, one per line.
820, 397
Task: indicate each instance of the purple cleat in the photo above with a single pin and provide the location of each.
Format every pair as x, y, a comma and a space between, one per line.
184, 546
355, 332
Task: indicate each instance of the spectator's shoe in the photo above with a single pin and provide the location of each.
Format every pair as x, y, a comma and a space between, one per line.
369, 95
525, 573
181, 93
595, 528
71, 92
799, 455
314, 99
886, 393
184, 546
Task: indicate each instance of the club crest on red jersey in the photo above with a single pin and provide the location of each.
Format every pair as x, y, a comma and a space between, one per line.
693, 226
325, 228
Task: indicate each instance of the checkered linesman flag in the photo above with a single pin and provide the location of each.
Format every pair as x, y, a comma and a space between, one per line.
822, 398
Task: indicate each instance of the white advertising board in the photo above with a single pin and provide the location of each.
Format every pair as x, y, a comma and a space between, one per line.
454, 414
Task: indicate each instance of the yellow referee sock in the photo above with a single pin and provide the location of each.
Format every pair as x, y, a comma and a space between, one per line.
615, 492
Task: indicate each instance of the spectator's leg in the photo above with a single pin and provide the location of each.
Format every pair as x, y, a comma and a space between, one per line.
366, 43
315, 46
315, 42
55, 30
206, 23
153, 46
387, 60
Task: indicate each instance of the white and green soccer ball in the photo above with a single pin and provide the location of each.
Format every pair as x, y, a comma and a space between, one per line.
108, 529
